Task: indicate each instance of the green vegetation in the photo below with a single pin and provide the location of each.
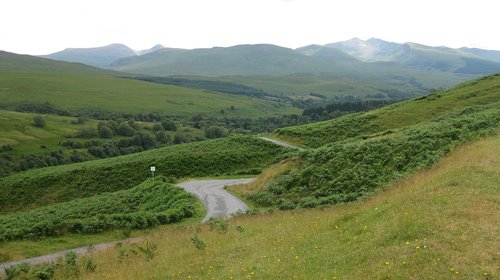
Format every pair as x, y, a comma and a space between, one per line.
439, 224
143, 206
345, 171
477, 92
111, 94
39, 187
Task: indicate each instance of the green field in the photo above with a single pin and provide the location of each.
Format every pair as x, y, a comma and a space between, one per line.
112, 94
17, 130
228, 156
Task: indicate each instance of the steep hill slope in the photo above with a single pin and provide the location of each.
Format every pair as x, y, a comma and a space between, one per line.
482, 91
99, 57
439, 224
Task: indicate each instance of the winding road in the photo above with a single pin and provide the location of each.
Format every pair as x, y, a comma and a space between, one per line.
217, 201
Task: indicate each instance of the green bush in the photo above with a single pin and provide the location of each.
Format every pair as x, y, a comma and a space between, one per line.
146, 205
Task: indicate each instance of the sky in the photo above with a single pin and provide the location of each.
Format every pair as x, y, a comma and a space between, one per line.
41, 27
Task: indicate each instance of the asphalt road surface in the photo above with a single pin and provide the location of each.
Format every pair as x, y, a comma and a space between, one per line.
217, 201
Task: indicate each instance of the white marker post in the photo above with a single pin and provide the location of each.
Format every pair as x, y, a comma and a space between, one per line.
153, 169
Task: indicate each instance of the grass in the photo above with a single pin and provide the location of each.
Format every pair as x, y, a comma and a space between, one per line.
441, 223
113, 94
17, 131
21, 249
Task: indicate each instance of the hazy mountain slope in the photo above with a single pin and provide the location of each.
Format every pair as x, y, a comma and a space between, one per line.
485, 54
370, 50
99, 57
11, 62
420, 56
237, 60
150, 50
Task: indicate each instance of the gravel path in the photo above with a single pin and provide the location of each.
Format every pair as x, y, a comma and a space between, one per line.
217, 201
281, 143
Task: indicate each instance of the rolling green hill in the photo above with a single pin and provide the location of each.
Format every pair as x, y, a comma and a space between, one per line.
38, 80
39, 187
482, 91
112, 94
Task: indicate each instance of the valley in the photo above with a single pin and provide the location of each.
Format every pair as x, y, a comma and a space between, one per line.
351, 160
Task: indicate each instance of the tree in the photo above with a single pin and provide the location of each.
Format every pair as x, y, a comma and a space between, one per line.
38, 121
169, 125
215, 132
105, 132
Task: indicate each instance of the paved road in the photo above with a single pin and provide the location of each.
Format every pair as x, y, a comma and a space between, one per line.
281, 143
217, 201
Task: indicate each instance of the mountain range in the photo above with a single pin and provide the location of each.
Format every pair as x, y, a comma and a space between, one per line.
99, 57
266, 59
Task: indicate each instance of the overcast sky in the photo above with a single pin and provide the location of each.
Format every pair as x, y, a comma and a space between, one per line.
42, 27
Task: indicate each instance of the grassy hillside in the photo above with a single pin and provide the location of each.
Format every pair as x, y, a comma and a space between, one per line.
39, 187
347, 170
17, 130
441, 223
112, 94
482, 91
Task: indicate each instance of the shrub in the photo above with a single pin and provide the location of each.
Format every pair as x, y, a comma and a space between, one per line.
38, 121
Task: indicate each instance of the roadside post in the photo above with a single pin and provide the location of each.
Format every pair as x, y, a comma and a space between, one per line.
153, 169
